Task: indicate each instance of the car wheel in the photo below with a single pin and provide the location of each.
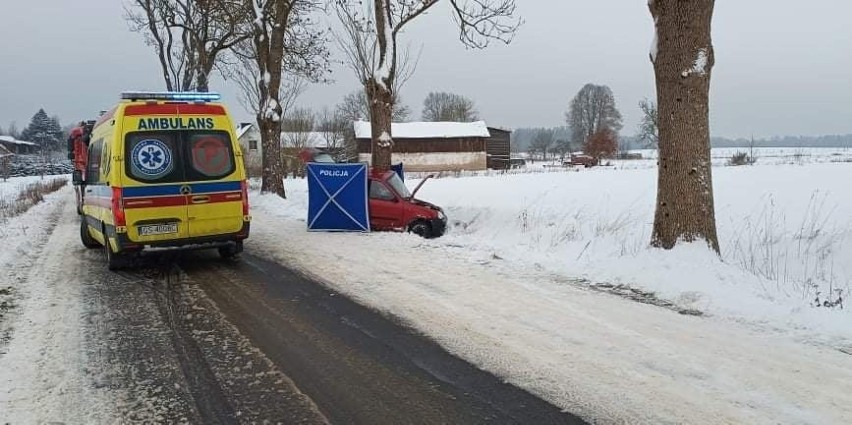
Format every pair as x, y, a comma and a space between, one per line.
229, 252
86, 237
421, 228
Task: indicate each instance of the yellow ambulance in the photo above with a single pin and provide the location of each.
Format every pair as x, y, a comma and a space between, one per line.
164, 170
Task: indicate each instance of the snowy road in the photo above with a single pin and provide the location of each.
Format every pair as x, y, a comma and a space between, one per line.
190, 338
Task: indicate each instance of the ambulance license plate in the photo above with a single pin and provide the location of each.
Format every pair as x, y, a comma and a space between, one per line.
157, 229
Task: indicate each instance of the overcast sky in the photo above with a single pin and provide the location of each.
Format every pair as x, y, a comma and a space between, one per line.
783, 67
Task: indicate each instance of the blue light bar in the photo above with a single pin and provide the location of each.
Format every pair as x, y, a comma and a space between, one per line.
172, 95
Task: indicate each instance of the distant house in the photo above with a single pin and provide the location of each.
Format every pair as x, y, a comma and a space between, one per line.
249, 138
440, 146
18, 147
292, 143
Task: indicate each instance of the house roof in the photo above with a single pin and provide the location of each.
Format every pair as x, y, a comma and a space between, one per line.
243, 129
12, 140
427, 130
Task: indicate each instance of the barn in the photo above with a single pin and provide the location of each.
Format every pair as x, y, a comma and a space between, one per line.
435, 146
499, 148
18, 147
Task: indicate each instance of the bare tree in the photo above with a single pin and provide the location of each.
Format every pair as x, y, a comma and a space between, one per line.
335, 128
442, 106
592, 110
13, 130
683, 58
189, 36
245, 73
562, 147
372, 31
297, 128
283, 37
649, 129
355, 106
541, 143
297, 133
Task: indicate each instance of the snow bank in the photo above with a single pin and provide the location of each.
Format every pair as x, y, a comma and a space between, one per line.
42, 376
784, 233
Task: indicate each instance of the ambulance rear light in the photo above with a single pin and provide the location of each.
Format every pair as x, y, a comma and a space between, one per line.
118, 208
172, 95
244, 193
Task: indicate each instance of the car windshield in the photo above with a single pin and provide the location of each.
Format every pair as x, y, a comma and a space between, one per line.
399, 186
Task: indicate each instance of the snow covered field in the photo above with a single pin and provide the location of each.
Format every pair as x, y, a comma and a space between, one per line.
504, 289
721, 157
785, 234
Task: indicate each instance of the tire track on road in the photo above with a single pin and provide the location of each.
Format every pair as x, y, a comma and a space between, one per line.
357, 365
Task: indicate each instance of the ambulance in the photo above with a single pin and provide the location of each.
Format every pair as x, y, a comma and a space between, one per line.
164, 171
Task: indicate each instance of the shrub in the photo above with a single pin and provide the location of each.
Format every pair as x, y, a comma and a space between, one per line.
741, 158
603, 144
30, 195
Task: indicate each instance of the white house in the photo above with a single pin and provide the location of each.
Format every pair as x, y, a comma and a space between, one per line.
249, 138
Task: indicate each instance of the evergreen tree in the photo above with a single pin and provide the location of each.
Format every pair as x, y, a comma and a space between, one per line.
44, 131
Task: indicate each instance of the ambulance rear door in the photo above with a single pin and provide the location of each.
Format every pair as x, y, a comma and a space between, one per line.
154, 193
215, 199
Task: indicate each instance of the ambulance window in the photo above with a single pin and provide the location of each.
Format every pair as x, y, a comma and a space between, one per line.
105, 162
93, 172
211, 155
153, 157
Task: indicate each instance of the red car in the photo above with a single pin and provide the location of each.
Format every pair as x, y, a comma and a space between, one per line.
393, 207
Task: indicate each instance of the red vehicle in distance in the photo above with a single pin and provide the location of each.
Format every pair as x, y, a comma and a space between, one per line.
582, 160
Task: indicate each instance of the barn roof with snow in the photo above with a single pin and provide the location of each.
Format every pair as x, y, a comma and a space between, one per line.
427, 130
12, 140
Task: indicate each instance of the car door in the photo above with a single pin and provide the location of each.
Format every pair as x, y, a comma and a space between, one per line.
154, 205
214, 194
386, 210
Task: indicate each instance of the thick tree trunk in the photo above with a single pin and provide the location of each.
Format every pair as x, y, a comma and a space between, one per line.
272, 175
269, 47
682, 66
381, 116
202, 82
